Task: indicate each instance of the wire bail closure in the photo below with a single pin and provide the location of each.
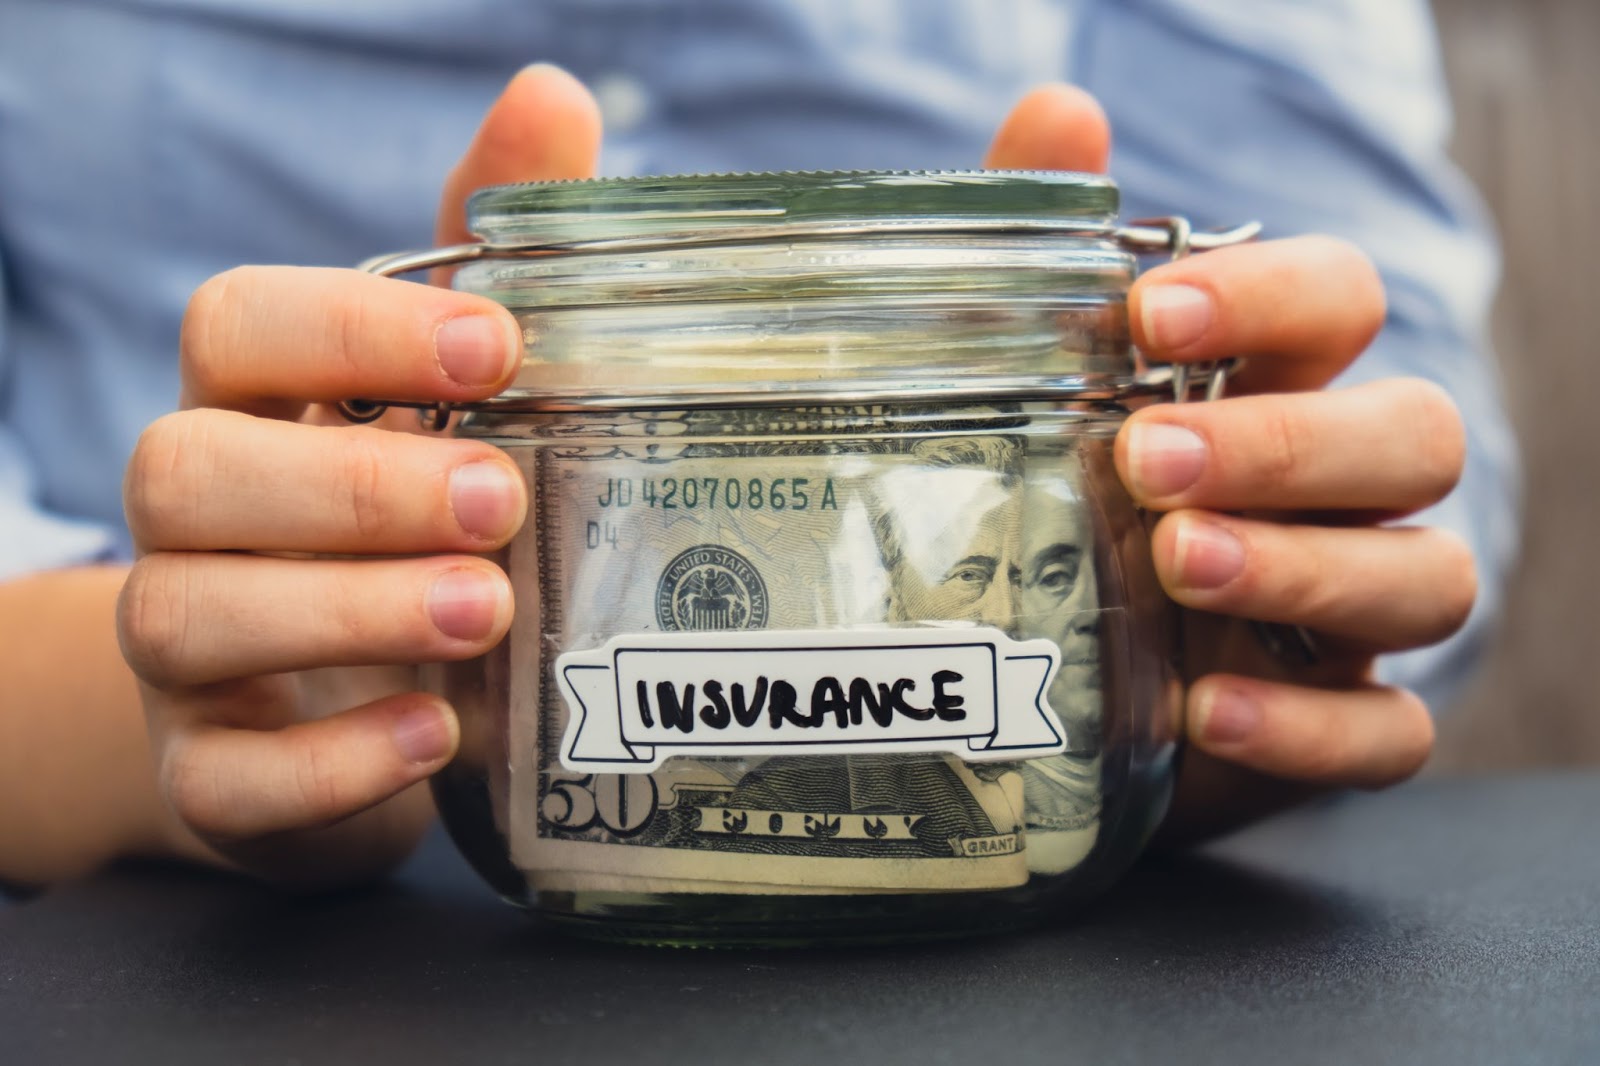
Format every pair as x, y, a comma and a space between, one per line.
1173, 235
1180, 242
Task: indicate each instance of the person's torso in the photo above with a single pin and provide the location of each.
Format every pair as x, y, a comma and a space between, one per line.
147, 144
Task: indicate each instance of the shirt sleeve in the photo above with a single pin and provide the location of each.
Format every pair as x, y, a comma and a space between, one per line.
31, 537
1330, 116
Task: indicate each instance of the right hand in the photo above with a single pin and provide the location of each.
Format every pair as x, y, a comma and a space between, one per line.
245, 617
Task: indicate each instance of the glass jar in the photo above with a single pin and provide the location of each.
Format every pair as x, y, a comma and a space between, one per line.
833, 620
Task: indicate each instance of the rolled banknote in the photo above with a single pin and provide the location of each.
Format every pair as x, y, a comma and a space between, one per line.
839, 521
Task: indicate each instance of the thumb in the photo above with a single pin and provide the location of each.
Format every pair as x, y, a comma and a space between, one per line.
1054, 127
544, 127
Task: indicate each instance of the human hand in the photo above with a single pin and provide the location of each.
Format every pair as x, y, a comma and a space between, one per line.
283, 554
1279, 505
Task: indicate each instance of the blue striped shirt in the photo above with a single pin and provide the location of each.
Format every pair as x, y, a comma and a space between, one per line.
147, 144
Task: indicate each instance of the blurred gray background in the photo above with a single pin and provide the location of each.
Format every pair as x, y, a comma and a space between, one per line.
1527, 92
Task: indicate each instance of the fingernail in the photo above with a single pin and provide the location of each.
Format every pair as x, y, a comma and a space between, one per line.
464, 604
484, 498
1175, 316
1208, 556
476, 350
1164, 459
423, 734
1229, 716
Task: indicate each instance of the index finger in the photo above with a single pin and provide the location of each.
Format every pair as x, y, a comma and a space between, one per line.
1298, 310
268, 340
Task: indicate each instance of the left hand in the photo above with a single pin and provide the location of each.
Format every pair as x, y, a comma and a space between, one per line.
1278, 504
293, 568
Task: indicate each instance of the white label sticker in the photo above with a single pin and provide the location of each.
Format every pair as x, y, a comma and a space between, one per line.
973, 692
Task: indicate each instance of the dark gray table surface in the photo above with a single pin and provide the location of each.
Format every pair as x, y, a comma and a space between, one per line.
1444, 922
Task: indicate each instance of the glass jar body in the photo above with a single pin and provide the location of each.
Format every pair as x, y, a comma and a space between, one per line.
841, 520
837, 449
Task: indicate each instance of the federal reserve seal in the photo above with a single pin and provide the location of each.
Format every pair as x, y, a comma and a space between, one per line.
711, 587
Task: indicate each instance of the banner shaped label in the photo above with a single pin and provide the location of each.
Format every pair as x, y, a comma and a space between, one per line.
972, 692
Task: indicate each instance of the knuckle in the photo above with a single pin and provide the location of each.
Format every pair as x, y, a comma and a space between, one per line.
152, 618
320, 788
350, 612
363, 481
1306, 585
351, 329
1284, 446
1282, 580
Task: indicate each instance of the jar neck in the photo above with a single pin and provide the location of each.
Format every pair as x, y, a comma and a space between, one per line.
888, 265
871, 317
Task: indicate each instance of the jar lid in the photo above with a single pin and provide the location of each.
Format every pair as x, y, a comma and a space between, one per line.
811, 287
722, 207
